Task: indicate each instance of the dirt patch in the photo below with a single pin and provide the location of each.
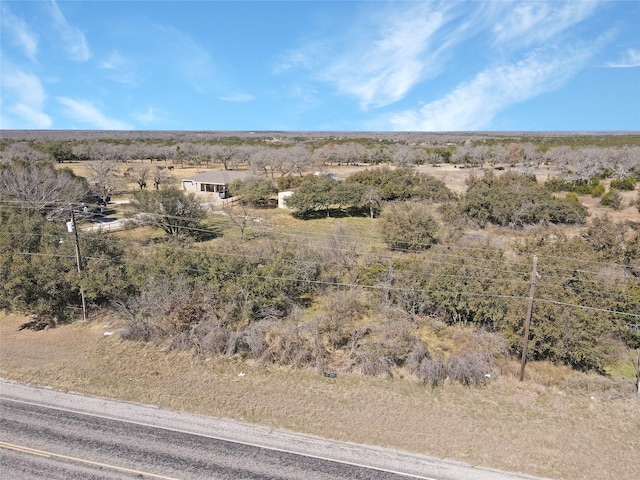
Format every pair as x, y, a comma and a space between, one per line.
529, 427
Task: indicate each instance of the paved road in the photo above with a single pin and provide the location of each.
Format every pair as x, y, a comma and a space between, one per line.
48, 434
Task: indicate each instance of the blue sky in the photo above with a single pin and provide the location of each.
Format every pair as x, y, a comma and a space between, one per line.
328, 65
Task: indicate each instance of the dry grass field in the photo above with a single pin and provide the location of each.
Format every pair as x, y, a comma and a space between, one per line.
555, 424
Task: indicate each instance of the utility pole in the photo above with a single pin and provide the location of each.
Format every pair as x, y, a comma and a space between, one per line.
527, 324
78, 264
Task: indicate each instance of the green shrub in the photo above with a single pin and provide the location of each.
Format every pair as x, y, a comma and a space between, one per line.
625, 183
402, 184
591, 187
612, 199
408, 227
516, 200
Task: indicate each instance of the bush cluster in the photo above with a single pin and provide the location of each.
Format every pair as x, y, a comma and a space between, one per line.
516, 200
591, 187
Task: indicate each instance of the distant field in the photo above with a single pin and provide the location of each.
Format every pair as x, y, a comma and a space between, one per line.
453, 176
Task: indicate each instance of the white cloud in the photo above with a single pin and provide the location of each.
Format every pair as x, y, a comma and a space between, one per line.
85, 112
474, 104
385, 53
149, 116
630, 59
31, 117
306, 57
237, 97
22, 34
24, 99
527, 23
114, 61
381, 70
72, 38
119, 69
186, 58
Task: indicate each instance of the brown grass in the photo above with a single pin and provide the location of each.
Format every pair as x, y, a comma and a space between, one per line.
540, 426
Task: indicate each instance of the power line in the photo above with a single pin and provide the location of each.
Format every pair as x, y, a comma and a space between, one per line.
448, 293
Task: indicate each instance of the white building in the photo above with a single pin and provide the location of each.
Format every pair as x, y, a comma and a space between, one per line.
213, 181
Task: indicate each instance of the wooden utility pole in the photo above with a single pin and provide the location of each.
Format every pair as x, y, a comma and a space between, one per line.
79, 264
527, 324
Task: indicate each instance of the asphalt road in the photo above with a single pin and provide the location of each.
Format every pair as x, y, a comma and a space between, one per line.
48, 434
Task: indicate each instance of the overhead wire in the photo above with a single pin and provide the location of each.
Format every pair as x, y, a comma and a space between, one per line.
464, 293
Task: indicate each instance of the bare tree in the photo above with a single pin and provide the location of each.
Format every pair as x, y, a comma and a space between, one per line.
161, 176
480, 154
373, 200
403, 156
223, 154
530, 155
39, 185
105, 175
463, 155
351, 153
326, 155
141, 175
241, 156
297, 159
21, 151
500, 154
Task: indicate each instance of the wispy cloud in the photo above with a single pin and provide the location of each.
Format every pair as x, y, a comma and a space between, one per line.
397, 59
113, 61
528, 23
119, 69
86, 113
23, 99
237, 97
22, 34
308, 56
185, 57
629, 59
394, 49
383, 56
473, 104
149, 117
72, 38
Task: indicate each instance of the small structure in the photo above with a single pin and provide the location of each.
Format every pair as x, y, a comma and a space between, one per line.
282, 198
214, 181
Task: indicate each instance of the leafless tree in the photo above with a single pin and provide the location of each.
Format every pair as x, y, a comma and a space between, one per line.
223, 154
257, 161
403, 156
161, 176
141, 175
326, 155
241, 157
39, 185
278, 162
500, 154
480, 155
298, 160
463, 155
21, 151
240, 218
530, 155
105, 175
351, 153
